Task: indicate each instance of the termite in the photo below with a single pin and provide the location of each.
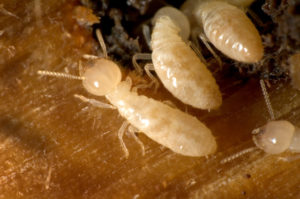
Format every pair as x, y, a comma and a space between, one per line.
227, 27
276, 136
177, 65
170, 127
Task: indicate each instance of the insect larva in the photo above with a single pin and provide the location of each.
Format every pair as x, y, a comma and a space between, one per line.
172, 128
180, 69
228, 29
276, 136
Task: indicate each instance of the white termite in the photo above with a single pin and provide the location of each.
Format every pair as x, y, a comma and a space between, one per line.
170, 127
177, 65
277, 135
227, 27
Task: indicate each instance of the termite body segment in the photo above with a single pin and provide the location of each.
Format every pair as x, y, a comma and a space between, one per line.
172, 128
228, 28
277, 136
179, 68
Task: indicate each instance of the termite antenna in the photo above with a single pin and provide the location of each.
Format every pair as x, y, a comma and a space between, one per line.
101, 41
60, 75
267, 99
237, 155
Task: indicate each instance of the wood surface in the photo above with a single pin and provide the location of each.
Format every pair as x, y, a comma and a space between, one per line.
54, 146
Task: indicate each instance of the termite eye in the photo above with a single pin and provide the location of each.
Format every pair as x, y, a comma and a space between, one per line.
275, 137
102, 77
177, 17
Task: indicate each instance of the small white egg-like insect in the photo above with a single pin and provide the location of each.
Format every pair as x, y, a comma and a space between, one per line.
172, 128
228, 28
276, 136
177, 65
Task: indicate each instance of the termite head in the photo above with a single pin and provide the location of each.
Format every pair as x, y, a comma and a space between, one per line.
102, 78
275, 137
177, 17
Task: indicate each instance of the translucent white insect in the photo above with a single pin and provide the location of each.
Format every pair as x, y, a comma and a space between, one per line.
276, 136
177, 65
227, 27
172, 128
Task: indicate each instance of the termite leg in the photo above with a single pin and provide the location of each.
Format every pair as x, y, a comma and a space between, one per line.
140, 56
140, 86
132, 130
147, 35
86, 56
129, 81
169, 103
291, 158
80, 69
205, 41
195, 46
6, 12
120, 136
198, 52
295, 144
154, 81
94, 102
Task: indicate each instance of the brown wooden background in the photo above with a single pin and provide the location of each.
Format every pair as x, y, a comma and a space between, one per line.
54, 146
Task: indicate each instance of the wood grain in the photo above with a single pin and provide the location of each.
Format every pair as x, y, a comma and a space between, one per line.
54, 146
